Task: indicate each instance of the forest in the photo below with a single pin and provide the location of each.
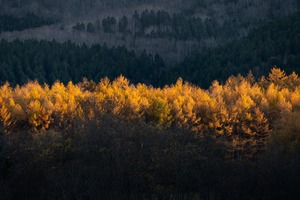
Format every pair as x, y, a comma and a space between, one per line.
149, 99
274, 44
48, 61
29, 20
160, 24
175, 142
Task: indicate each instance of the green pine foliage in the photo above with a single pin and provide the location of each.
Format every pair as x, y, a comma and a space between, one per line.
274, 44
30, 20
21, 61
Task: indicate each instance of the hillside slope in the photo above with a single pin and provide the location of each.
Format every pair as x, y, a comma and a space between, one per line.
220, 21
274, 44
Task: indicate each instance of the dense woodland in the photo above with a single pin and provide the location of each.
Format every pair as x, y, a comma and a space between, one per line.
12, 23
160, 24
274, 44
50, 61
116, 140
73, 127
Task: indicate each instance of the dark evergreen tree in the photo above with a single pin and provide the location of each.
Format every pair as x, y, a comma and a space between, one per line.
123, 24
90, 28
79, 27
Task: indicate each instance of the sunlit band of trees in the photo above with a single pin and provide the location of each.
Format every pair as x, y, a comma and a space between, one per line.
241, 113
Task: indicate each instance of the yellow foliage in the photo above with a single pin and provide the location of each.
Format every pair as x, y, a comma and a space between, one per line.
239, 107
18, 113
277, 76
5, 117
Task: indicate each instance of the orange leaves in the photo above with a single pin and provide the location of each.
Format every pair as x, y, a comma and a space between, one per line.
5, 117
239, 106
278, 77
34, 112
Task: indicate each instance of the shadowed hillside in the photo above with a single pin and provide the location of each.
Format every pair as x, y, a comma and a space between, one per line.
198, 24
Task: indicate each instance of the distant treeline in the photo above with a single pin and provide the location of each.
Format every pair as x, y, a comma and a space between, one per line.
160, 24
30, 20
274, 44
50, 61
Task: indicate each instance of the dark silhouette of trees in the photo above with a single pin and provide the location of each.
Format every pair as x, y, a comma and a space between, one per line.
29, 20
109, 24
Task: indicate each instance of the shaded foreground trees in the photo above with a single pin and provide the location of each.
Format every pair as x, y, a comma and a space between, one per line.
113, 159
113, 140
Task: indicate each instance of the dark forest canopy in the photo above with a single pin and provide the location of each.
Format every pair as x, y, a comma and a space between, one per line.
274, 44
12, 23
162, 24
47, 62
